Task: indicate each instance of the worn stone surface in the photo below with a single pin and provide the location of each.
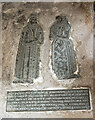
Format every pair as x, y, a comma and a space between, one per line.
94, 61
1, 94
47, 1
15, 17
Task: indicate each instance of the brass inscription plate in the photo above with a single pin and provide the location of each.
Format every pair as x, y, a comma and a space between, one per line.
48, 100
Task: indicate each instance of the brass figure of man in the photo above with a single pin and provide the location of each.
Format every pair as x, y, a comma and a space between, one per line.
28, 55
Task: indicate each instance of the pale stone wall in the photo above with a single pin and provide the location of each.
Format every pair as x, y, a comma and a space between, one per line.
80, 17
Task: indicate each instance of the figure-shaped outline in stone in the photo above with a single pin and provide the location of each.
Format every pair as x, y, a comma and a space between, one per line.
28, 55
63, 58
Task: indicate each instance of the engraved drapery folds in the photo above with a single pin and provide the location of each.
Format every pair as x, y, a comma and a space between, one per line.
63, 58
28, 55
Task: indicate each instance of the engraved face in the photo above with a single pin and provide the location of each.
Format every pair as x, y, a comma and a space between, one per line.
33, 18
64, 26
60, 18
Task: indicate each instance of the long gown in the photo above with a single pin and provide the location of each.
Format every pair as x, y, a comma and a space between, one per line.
63, 58
28, 55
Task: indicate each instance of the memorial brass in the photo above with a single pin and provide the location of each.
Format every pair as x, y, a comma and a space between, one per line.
63, 58
28, 55
48, 100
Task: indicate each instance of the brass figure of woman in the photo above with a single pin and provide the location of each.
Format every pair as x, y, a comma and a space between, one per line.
63, 58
